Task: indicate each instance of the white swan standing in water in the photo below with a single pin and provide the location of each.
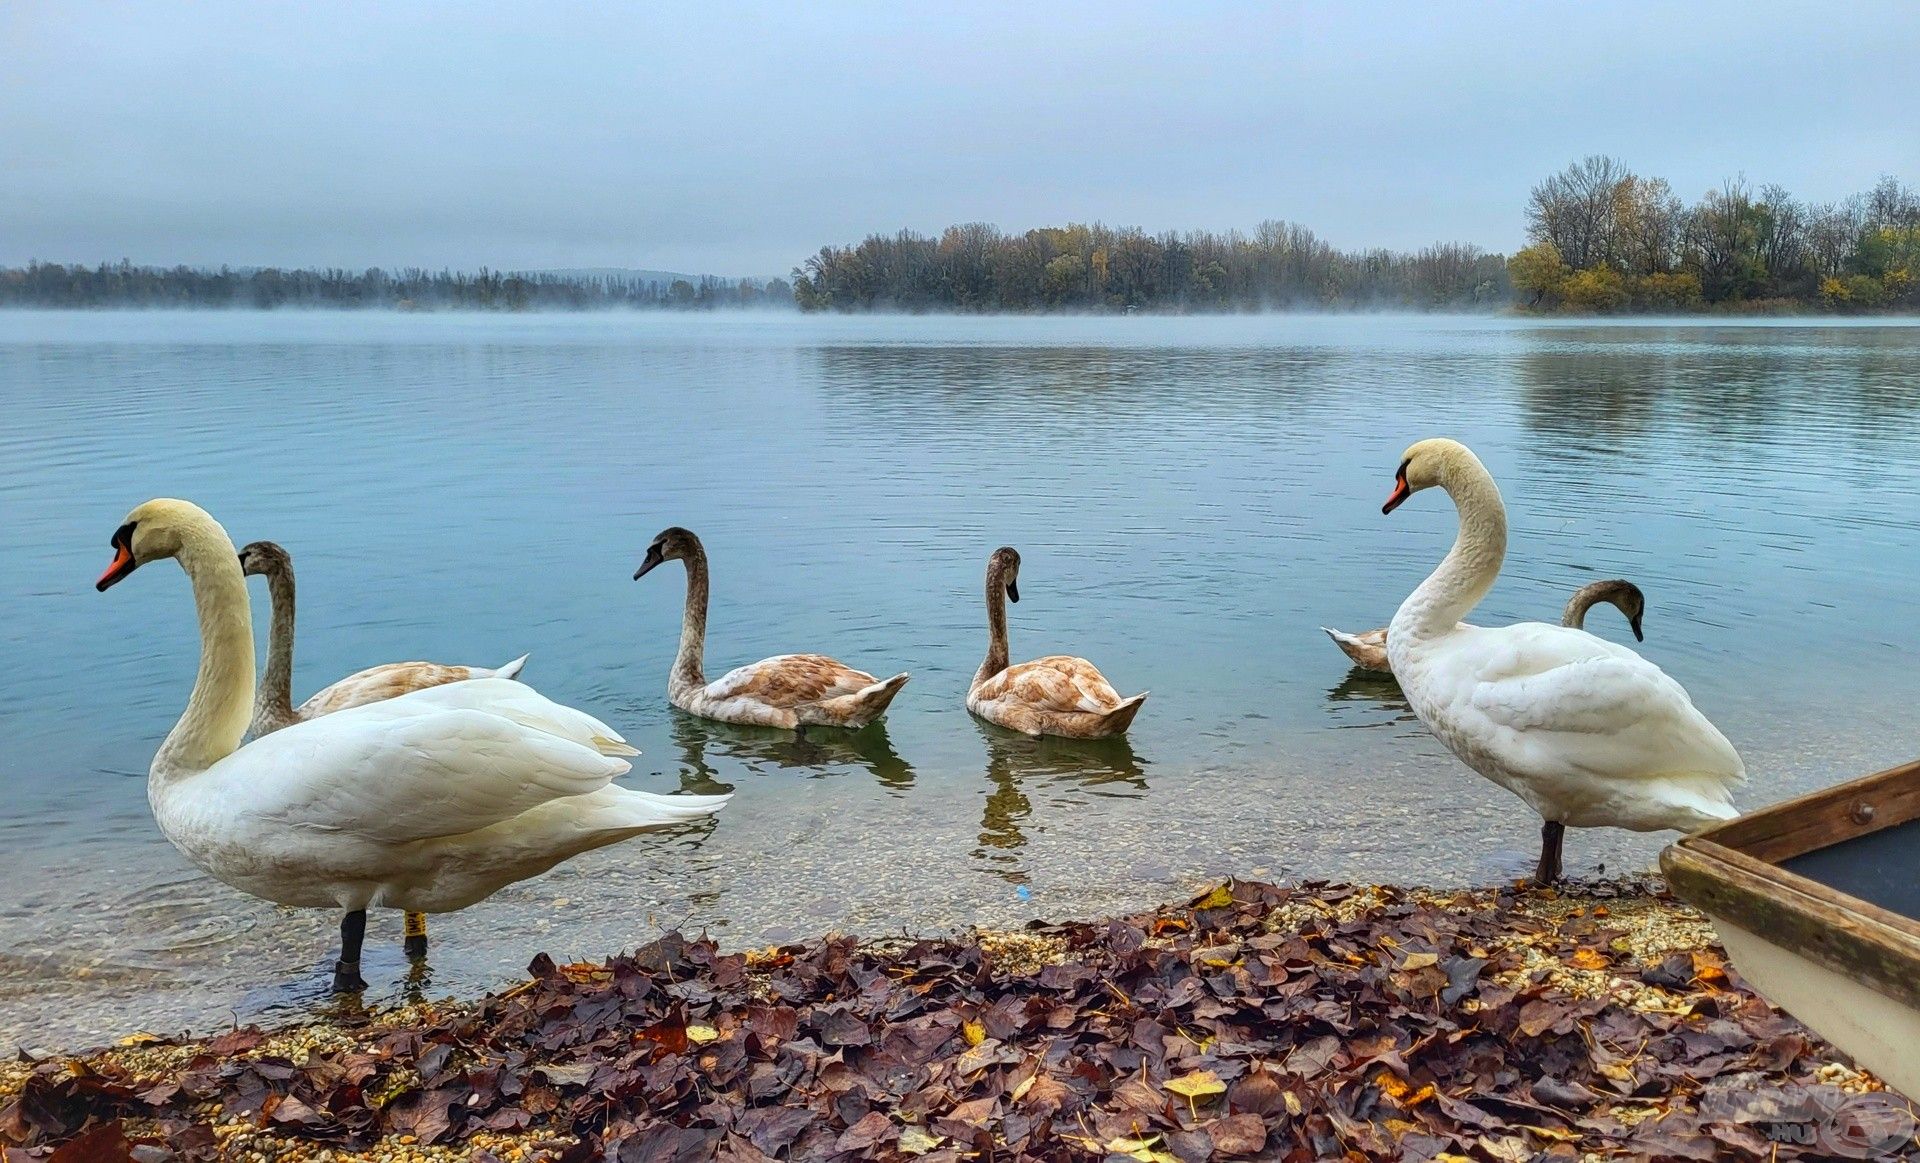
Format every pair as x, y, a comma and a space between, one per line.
427, 802
1368, 649
1588, 733
273, 707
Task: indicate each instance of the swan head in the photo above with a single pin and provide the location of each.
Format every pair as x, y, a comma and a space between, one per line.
1005, 565
265, 558
159, 529
1437, 461
1624, 595
672, 544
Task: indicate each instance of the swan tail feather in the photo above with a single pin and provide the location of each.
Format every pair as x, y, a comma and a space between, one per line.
1368, 650
1117, 721
855, 710
512, 669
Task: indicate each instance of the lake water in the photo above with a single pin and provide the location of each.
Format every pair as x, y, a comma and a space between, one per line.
1192, 498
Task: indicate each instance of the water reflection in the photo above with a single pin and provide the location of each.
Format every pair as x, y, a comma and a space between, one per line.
819, 752
1058, 769
1369, 698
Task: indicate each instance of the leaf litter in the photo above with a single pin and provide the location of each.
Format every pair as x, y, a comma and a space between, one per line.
1289, 1023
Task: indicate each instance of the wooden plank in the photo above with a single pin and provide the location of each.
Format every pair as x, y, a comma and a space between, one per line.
1797, 826
1756, 897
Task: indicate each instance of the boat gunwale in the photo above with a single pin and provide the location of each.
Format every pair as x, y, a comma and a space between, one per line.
1729, 872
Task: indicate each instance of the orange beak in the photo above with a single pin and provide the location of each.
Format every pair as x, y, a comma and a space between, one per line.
121, 567
1400, 493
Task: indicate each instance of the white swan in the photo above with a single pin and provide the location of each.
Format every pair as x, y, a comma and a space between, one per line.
274, 709
427, 802
1588, 733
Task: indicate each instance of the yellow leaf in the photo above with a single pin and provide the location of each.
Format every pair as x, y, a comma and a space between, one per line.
1026, 1084
1293, 1103
142, 1040
1219, 898
1141, 1149
1198, 1084
1391, 1084
916, 1140
975, 1032
1420, 961
702, 1034
1588, 959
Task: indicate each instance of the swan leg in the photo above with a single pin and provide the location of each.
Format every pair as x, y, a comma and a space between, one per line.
346, 971
416, 928
1548, 871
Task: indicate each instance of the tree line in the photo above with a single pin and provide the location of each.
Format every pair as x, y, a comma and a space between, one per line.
123, 284
976, 267
1602, 238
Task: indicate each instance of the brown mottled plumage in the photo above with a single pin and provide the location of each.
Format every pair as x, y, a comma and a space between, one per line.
1368, 649
787, 690
1055, 695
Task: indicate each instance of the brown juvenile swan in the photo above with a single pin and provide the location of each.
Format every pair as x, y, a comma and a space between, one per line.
1368, 649
1055, 695
788, 690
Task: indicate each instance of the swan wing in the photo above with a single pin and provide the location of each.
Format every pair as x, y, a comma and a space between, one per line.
400, 778
514, 701
1058, 682
377, 683
789, 680
1550, 698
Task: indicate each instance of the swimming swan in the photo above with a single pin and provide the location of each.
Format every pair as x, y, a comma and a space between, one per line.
787, 690
1368, 649
427, 802
1055, 695
274, 709
1588, 733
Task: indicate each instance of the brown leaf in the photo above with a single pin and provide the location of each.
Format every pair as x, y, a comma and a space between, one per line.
1238, 1135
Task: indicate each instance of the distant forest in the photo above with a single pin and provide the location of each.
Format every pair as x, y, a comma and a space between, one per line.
1600, 239
1098, 268
125, 285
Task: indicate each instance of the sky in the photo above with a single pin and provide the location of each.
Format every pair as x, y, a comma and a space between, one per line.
737, 139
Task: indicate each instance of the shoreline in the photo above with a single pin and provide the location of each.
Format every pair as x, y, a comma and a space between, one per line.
1250, 1021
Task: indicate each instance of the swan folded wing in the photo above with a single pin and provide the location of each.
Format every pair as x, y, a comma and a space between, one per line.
789, 680
396, 780
1056, 683
378, 683
514, 701
1608, 714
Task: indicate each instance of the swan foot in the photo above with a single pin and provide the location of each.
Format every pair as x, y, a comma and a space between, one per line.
1552, 832
346, 971
416, 929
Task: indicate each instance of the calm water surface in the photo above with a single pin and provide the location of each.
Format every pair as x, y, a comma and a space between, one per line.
1192, 497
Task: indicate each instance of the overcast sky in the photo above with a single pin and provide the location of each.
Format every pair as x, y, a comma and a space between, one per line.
737, 139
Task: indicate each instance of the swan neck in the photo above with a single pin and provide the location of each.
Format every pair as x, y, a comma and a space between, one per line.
689, 665
276, 689
1575, 615
1470, 568
221, 705
996, 660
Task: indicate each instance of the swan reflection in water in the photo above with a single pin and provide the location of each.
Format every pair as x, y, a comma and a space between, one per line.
1015, 763
1369, 698
819, 752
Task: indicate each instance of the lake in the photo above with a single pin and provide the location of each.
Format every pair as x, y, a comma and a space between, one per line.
1192, 498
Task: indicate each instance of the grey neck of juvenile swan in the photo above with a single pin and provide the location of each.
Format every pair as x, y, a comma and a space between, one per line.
689, 666
1468, 571
218, 711
996, 660
275, 704
1587, 597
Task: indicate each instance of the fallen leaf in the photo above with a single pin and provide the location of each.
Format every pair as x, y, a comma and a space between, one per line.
1196, 1085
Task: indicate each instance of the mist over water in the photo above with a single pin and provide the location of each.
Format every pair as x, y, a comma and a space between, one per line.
1192, 499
